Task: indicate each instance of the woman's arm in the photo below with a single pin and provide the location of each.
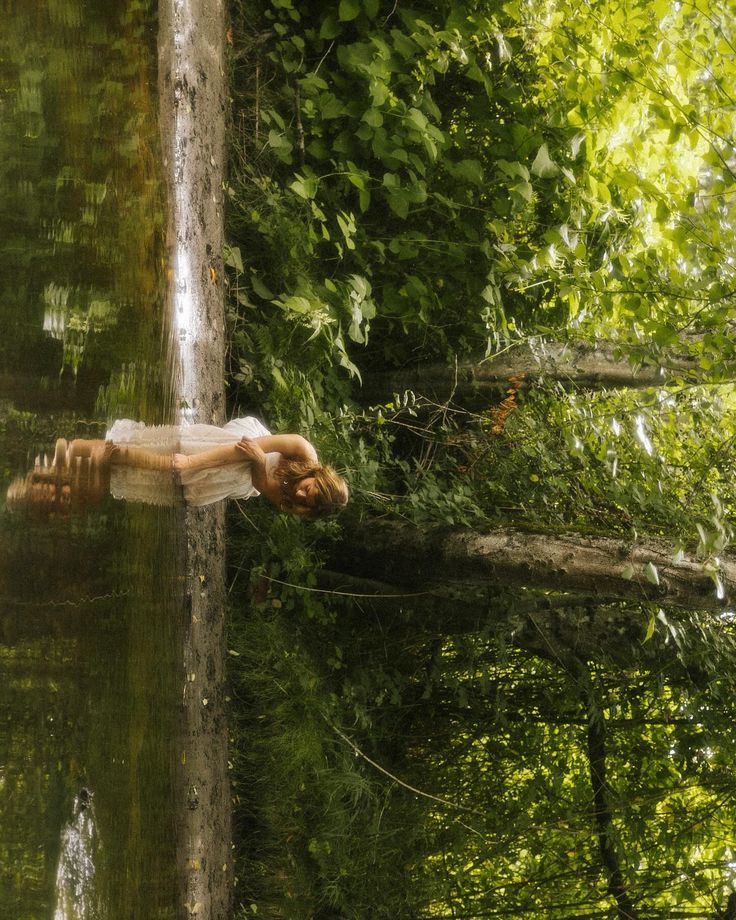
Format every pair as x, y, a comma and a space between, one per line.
250, 450
246, 451
218, 456
291, 446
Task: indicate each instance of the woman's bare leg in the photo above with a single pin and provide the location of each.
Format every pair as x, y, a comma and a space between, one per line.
102, 452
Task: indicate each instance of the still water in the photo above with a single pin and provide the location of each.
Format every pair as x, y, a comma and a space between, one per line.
89, 680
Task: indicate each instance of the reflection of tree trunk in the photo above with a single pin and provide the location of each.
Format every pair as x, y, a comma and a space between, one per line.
601, 567
574, 364
204, 805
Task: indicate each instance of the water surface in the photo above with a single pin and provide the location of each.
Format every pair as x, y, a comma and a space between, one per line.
89, 605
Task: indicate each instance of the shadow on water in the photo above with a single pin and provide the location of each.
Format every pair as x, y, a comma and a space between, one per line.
94, 610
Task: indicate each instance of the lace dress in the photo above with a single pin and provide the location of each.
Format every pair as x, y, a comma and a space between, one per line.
198, 487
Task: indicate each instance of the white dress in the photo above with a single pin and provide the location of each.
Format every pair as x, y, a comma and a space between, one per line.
200, 487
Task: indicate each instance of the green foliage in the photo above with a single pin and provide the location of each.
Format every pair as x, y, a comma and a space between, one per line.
499, 738
532, 141
322, 837
634, 82
82, 211
403, 159
418, 183
485, 170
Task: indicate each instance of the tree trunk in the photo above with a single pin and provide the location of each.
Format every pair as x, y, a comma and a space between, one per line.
574, 365
551, 626
604, 568
602, 814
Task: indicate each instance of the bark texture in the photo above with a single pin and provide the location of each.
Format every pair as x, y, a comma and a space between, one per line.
574, 365
192, 113
603, 568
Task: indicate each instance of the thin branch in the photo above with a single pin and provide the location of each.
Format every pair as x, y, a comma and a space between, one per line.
332, 591
426, 795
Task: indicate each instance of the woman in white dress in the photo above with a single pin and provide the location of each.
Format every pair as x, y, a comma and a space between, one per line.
136, 461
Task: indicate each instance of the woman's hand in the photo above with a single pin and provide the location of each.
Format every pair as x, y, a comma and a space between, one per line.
250, 450
181, 462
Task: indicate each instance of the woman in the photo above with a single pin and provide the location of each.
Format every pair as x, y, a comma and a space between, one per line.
283, 467
240, 460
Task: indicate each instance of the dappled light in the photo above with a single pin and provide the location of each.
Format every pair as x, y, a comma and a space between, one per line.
367, 425
502, 685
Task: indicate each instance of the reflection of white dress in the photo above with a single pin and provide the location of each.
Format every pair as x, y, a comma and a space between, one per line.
201, 487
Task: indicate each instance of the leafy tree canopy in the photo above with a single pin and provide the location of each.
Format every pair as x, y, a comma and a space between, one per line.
443, 183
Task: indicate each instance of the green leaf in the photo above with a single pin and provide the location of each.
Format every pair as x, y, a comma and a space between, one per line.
330, 28
296, 304
543, 165
279, 378
330, 106
650, 629
523, 190
373, 117
417, 119
304, 186
469, 170
260, 288
651, 574
348, 9
354, 330
399, 203
513, 169
231, 256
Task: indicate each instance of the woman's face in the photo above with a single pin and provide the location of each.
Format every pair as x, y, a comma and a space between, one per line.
305, 494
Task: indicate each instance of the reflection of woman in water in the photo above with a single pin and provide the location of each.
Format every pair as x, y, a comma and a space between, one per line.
68, 482
136, 462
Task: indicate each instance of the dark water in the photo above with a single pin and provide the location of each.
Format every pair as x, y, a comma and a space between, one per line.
88, 603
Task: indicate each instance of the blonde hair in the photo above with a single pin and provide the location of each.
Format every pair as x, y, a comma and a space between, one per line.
331, 492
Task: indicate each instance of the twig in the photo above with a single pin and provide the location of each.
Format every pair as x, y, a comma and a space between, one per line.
413, 789
322, 59
258, 99
289, 584
299, 125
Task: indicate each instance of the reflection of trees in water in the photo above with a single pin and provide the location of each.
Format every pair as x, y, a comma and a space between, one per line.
81, 211
77, 897
85, 649
84, 662
38, 725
